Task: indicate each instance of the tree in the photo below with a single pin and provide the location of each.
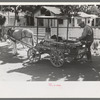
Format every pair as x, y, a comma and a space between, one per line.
11, 8
2, 21
74, 9
28, 9
29, 12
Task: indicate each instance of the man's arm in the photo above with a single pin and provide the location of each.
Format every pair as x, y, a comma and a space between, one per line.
84, 33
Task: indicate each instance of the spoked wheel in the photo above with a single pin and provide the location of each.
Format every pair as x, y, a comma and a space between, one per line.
33, 55
57, 58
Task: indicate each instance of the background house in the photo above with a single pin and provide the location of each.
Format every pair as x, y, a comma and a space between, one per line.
74, 29
90, 19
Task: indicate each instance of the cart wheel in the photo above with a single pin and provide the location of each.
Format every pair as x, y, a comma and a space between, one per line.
57, 58
33, 55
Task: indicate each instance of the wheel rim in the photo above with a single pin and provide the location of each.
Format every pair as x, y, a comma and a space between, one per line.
57, 58
33, 55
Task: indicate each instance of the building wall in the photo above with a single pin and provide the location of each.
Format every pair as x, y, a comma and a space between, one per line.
35, 19
88, 21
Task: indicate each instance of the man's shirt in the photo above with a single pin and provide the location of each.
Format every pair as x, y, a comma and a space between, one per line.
87, 34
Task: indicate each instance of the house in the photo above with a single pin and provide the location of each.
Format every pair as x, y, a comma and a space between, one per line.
74, 28
44, 23
90, 19
51, 11
46, 11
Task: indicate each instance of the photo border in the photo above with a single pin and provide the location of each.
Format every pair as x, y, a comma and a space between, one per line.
92, 86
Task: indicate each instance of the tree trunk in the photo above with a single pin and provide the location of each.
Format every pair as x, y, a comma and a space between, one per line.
15, 17
15, 20
8, 17
67, 27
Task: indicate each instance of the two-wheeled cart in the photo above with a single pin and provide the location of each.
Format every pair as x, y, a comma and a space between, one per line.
60, 50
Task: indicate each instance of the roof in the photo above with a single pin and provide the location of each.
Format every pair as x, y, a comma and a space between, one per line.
54, 10
82, 14
51, 17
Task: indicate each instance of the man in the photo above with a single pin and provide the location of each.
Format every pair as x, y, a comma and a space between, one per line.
87, 36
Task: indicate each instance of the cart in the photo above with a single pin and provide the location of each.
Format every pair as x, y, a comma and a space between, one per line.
60, 50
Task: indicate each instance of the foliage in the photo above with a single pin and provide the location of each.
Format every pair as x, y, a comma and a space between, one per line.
11, 8
28, 9
70, 10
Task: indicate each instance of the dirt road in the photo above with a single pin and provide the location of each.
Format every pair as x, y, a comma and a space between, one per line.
16, 68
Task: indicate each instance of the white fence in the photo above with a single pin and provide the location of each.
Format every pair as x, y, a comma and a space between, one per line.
75, 32
72, 32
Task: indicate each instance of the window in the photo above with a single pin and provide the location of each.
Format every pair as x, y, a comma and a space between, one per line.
30, 21
40, 22
97, 21
93, 22
88, 21
73, 22
60, 21
79, 20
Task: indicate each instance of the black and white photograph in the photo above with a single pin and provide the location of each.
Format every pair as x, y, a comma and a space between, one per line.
49, 50
50, 42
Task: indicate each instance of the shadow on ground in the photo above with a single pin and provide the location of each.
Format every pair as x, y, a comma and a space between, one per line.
44, 71
7, 57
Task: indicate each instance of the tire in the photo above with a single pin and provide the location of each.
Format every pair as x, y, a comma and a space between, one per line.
33, 55
57, 58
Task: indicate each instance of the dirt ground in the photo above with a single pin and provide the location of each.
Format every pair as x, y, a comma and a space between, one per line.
17, 68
